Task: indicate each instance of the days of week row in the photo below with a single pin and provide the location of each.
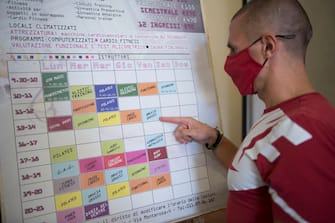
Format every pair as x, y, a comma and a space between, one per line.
96, 65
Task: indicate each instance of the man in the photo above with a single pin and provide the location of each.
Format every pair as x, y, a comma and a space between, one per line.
285, 168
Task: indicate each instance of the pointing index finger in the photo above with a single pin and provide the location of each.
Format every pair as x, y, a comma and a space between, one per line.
174, 120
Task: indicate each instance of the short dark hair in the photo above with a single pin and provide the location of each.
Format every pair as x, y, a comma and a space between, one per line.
284, 17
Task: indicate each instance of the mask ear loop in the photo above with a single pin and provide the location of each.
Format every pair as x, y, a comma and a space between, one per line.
266, 60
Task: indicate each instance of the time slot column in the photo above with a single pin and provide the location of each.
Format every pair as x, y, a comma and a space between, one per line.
31, 141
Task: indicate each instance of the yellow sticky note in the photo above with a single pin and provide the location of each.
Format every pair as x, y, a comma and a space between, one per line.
67, 201
118, 190
109, 118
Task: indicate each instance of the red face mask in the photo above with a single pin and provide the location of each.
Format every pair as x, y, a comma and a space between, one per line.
243, 70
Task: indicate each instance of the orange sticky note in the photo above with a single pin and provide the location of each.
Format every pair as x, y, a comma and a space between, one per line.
130, 116
140, 185
163, 180
83, 106
93, 179
147, 89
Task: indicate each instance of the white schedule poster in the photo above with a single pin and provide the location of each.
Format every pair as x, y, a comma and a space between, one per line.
82, 86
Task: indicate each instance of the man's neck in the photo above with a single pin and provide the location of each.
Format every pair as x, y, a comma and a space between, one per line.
286, 86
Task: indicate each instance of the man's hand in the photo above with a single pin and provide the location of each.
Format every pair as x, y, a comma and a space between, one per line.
189, 130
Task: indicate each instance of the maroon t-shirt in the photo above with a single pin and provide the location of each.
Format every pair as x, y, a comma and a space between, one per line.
285, 167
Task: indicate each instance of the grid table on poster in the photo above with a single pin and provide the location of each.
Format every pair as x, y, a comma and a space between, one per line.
88, 136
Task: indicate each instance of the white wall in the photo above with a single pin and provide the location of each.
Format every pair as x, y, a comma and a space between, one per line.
217, 15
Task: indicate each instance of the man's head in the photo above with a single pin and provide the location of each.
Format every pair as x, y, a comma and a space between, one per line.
278, 17
267, 33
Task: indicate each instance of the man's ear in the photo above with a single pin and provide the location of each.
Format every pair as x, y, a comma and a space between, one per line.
269, 45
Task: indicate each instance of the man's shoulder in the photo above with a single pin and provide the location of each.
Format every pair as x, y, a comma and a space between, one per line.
310, 109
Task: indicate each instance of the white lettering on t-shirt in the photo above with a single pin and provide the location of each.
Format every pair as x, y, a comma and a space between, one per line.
244, 174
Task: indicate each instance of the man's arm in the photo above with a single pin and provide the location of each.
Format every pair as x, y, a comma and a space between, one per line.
226, 151
189, 130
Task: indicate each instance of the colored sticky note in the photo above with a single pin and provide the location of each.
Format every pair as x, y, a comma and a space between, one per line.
56, 94
159, 167
150, 114
90, 164
63, 153
136, 157
83, 106
159, 181
147, 89
131, 116
85, 121
157, 153
59, 123
140, 185
127, 90
118, 190
57, 79
115, 160
82, 92
138, 171
167, 87
66, 169
156, 140
109, 118
94, 195
107, 104
66, 185
93, 211
116, 175
70, 216
103, 91
93, 179
67, 201
112, 147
